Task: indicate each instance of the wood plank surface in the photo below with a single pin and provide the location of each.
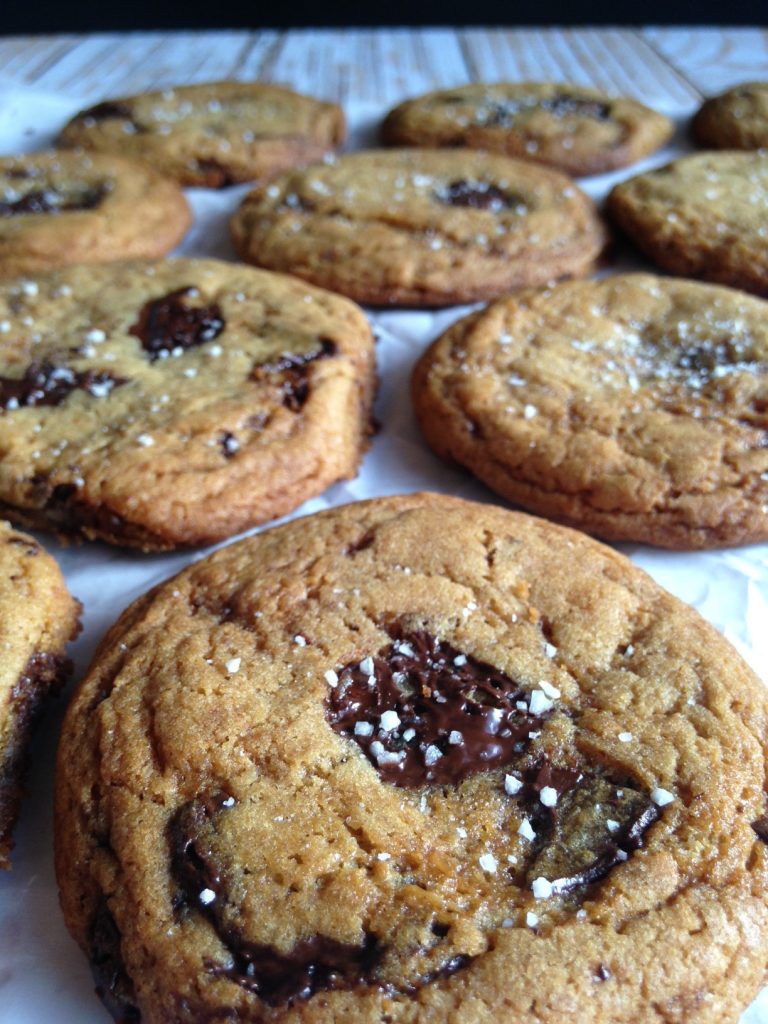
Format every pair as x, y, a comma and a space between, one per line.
673, 66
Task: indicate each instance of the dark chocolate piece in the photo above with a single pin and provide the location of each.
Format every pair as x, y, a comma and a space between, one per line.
47, 384
43, 677
596, 823
170, 325
54, 200
423, 712
108, 110
504, 114
478, 195
113, 986
564, 106
760, 828
291, 371
314, 964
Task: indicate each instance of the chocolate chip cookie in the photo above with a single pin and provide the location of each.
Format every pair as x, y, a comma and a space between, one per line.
703, 216
37, 618
416, 760
736, 119
635, 408
420, 227
575, 129
166, 404
58, 208
215, 134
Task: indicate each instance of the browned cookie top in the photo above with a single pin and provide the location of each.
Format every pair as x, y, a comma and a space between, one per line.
701, 216
37, 618
166, 404
635, 407
214, 134
416, 760
578, 130
736, 119
421, 227
58, 208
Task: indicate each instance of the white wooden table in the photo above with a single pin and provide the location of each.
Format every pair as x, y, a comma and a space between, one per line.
44, 80
381, 66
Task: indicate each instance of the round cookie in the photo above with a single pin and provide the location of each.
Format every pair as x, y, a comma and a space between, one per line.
736, 119
416, 760
58, 208
37, 618
166, 404
577, 130
703, 216
214, 134
421, 227
635, 408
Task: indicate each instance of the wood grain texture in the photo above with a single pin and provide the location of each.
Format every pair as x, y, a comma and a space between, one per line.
713, 59
672, 67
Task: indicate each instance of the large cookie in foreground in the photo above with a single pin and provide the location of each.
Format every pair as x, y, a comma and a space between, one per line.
421, 227
578, 130
416, 760
166, 404
635, 408
736, 119
37, 618
701, 216
59, 208
213, 134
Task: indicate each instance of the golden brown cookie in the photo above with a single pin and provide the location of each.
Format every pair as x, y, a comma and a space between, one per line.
215, 134
421, 227
577, 130
416, 760
37, 618
736, 119
635, 408
58, 208
166, 404
702, 216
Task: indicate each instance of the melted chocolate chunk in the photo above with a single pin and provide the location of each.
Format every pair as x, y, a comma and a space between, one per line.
478, 195
317, 964
565, 106
291, 371
595, 824
504, 114
760, 828
53, 200
113, 986
423, 712
47, 384
43, 677
169, 325
108, 110
314, 964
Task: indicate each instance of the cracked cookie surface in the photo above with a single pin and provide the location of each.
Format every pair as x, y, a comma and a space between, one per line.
577, 130
421, 227
736, 119
166, 404
418, 760
701, 216
214, 134
59, 208
37, 619
635, 408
